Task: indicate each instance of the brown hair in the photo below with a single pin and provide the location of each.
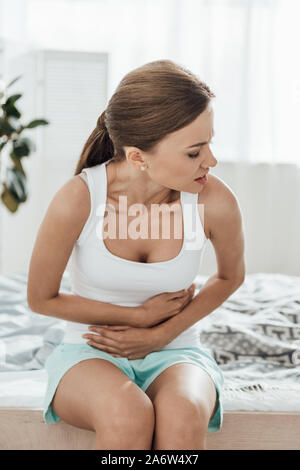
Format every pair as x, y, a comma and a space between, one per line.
150, 102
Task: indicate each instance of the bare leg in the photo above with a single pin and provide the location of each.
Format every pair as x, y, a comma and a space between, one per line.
95, 394
184, 399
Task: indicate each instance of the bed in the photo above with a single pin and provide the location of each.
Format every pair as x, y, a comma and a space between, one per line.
254, 336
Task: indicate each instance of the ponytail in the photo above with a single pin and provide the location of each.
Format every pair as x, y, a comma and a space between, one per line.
98, 148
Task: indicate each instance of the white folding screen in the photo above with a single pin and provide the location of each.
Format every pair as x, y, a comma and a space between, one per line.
75, 94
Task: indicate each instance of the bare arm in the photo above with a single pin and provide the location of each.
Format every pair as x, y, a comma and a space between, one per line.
227, 233
60, 228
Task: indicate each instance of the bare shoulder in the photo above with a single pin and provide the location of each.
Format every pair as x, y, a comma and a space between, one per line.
224, 227
67, 213
72, 199
219, 201
218, 190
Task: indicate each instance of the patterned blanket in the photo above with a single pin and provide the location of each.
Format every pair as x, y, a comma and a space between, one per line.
255, 338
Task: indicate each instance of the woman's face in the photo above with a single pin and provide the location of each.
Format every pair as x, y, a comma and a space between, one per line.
184, 155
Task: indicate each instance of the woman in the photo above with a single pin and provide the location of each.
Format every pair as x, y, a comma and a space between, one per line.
140, 377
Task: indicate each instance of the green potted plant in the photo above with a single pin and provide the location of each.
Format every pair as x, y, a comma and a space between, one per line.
13, 190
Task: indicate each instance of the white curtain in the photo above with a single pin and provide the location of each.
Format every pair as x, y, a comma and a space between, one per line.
246, 50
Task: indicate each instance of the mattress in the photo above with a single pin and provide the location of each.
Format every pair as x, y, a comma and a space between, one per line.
254, 336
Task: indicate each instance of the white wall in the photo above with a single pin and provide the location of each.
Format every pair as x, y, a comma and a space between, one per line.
269, 197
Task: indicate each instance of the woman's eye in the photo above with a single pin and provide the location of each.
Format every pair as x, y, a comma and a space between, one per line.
194, 155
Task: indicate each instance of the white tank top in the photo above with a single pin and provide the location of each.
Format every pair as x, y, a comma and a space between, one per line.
97, 274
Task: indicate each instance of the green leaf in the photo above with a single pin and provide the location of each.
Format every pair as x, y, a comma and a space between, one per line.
9, 200
10, 110
16, 184
5, 127
9, 106
22, 147
35, 123
13, 98
17, 163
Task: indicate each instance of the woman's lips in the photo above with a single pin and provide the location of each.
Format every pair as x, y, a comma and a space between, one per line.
201, 180
201, 176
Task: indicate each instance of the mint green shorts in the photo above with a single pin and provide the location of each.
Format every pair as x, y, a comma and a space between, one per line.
141, 371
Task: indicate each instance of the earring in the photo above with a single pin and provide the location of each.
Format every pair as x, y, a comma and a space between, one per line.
143, 167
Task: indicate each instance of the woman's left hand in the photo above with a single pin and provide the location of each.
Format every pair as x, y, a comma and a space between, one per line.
125, 341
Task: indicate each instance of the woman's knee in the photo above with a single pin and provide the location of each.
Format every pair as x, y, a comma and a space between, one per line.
130, 412
191, 417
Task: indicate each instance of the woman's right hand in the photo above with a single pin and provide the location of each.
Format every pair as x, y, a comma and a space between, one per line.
164, 306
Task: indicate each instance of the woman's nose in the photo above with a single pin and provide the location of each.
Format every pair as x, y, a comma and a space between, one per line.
211, 163
215, 161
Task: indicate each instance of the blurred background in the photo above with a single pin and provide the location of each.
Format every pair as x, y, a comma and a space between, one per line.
70, 55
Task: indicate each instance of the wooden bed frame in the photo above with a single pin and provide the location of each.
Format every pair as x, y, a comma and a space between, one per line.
25, 429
